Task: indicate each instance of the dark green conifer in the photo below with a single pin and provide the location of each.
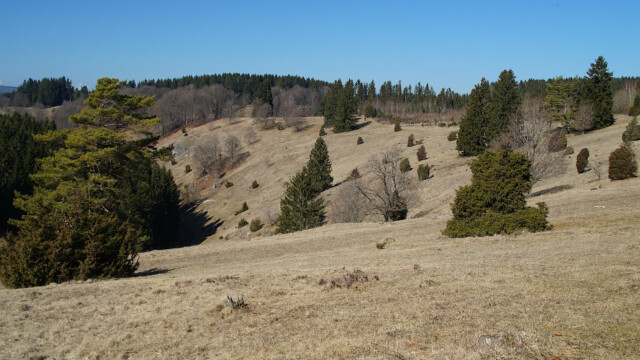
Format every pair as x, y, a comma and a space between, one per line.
597, 91
301, 208
319, 167
505, 101
472, 138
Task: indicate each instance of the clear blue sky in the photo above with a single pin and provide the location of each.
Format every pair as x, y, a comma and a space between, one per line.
445, 43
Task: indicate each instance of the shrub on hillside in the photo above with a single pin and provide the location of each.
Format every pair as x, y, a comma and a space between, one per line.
494, 203
255, 225
370, 112
557, 141
187, 169
622, 163
582, 160
632, 132
453, 136
355, 174
228, 184
568, 151
405, 166
242, 223
397, 127
322, 132
360, 141
421, 153
410, 141
424, 171
244, 208
254, 184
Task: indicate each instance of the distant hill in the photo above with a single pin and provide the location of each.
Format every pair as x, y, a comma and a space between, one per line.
7, 89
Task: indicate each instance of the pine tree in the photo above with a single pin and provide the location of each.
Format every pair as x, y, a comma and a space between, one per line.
319, 167
81, 215
505, 101
472, 138
301, 208
597, 91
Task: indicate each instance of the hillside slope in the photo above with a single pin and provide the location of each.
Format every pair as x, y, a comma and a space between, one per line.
573, 292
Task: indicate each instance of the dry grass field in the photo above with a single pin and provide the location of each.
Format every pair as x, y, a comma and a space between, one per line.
330, 293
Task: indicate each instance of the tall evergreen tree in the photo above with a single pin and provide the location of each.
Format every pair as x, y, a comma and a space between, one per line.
264, 93
472, 137
597, 91
319, 167
505, 101
330, 103
301, 208
346, 109
78, 223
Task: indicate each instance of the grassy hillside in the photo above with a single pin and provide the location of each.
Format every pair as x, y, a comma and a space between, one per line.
573, 292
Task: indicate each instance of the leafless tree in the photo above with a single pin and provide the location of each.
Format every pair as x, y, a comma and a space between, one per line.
60, 115
582, 119
530, 133
232, 145
596, 167
20, 100
349, 205
4, 101
390, 193
262, 116
229, 110
270, 212
250, 136
208, 155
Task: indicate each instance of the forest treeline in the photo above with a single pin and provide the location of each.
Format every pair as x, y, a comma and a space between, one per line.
194, 100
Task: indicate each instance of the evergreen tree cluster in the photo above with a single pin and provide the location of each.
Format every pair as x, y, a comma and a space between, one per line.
49, 91
98, 199
301, 207
339, 107
488, 113
494, 203
242, 84
18, 160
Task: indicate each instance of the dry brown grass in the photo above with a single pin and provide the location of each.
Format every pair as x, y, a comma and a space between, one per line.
570, 293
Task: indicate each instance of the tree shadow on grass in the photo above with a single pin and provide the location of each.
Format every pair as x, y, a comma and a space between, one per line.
360, 126
151, 272
195, 225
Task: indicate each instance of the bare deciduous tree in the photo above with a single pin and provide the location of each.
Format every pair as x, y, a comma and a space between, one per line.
390, 193
208, 155
61, 114
530, 133
270, 212
229, 110
582, 119
262, 116
250, 136
349, 205
232, 145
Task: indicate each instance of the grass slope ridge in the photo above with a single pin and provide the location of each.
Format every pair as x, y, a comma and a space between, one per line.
572, 292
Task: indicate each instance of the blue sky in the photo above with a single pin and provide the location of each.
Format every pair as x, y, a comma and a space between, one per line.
444, 43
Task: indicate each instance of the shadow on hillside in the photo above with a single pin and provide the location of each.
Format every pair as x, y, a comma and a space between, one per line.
151, 272
195, 225
360, 126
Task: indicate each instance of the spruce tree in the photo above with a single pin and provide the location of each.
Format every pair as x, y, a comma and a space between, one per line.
264, 93
301, 208
472, 138
344, 119
330, 103
319, 167
597, 91
505, 101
